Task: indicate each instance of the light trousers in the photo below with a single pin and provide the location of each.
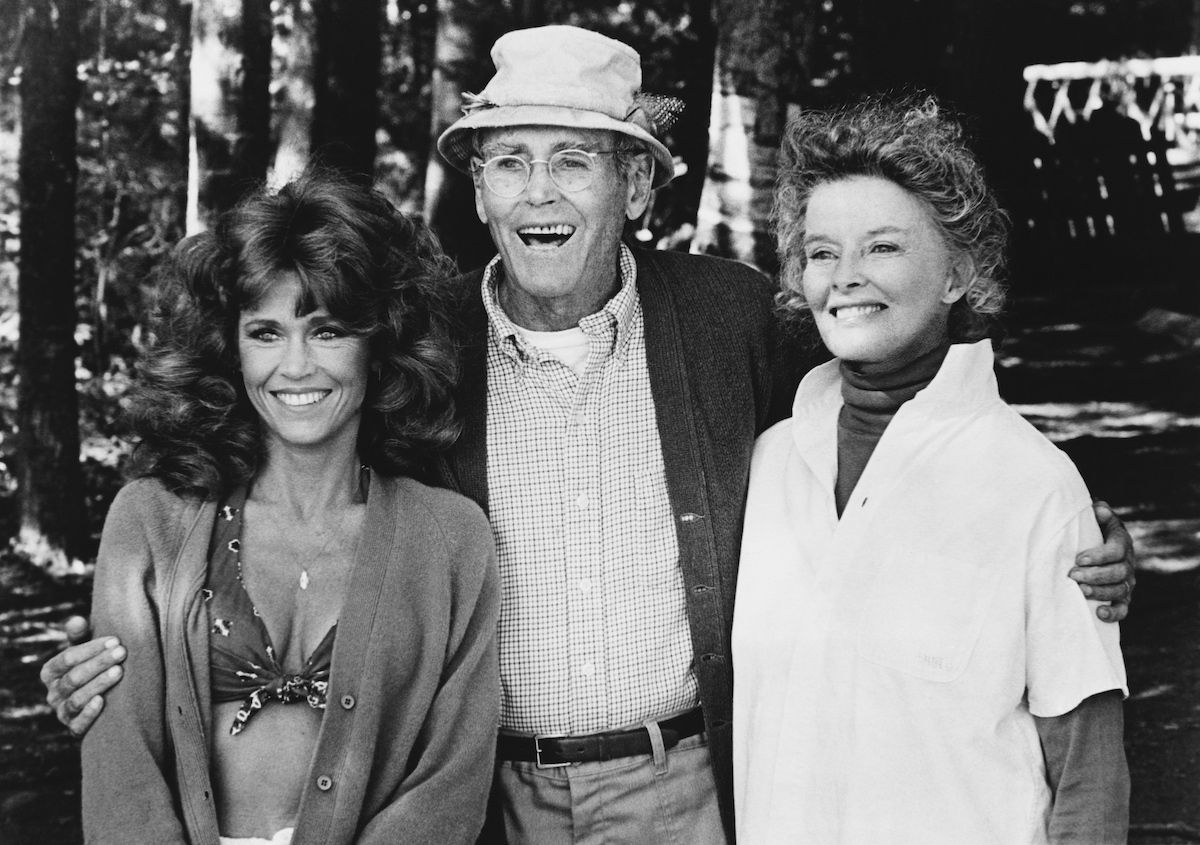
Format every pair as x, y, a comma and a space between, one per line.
667, 798
283, 837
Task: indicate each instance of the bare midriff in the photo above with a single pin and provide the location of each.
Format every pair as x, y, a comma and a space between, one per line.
259, 775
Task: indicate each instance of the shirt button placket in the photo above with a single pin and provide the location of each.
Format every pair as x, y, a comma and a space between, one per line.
583, 563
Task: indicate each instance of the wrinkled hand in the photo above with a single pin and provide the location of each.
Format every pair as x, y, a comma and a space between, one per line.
76, 678
1105, 573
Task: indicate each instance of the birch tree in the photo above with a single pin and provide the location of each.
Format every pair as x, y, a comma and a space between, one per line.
230, 78
759, 74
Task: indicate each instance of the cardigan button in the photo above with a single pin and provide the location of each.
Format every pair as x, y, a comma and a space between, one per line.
347, 702
324, 783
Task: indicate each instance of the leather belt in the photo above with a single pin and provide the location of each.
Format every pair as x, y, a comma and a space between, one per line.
554, 751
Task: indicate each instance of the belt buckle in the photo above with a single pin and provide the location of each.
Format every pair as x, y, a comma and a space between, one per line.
537, 753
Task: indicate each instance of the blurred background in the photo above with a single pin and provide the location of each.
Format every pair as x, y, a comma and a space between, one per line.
125, 124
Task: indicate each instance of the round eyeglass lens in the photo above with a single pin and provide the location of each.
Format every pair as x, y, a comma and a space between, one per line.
506, 175
570, 170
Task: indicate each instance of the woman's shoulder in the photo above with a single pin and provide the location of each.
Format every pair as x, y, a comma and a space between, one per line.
775, 441
146, 527
1015, 450
149, 500
452, 514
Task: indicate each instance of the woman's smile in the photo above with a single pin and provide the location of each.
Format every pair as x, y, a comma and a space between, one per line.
852, 312
299, 400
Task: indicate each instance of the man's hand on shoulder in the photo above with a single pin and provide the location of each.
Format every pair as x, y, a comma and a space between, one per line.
77, 677
1105, 573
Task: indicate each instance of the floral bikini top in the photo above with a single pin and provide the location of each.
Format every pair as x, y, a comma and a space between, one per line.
244, 665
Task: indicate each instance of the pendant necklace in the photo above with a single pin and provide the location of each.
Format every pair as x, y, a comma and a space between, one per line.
304, 579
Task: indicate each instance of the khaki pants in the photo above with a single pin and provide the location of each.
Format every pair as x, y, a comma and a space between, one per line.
283, 837
668, 798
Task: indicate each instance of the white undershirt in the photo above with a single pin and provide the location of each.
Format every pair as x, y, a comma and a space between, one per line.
569, 346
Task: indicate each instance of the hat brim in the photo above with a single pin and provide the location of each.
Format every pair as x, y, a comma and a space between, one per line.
455, 143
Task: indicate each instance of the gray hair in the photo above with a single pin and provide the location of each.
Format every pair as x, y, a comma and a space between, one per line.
908, 142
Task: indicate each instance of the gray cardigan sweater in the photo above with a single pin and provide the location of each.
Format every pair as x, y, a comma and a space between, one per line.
721, 372
406, 743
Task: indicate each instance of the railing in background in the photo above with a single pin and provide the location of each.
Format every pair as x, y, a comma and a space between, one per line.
1116, 149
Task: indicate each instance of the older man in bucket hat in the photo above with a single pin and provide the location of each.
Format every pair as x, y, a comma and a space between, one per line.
611, 400
611, 397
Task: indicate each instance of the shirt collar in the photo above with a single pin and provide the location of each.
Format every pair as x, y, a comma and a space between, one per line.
615, 319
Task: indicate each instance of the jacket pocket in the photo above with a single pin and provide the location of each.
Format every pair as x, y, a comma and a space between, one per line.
923, 614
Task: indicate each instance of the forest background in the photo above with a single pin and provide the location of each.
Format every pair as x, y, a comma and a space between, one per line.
125, 124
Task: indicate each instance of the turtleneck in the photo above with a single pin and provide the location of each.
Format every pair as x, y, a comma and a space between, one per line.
870, 401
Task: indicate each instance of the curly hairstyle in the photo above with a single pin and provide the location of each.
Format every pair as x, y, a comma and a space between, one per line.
379, 272
911, 143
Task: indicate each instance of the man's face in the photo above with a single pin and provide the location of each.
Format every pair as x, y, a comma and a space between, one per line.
559, 248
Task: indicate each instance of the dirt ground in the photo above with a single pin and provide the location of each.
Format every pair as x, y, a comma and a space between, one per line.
1125, 404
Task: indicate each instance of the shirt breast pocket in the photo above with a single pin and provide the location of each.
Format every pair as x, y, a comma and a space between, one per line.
923, 614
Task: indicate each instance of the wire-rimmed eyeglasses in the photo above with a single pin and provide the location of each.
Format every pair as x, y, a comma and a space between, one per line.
571, 170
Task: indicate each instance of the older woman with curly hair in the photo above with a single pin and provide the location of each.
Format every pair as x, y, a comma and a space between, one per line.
310, 630
945, 682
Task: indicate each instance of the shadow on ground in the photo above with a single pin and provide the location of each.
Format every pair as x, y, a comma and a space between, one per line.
1125, 406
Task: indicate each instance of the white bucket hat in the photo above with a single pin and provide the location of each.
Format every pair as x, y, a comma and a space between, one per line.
570, 77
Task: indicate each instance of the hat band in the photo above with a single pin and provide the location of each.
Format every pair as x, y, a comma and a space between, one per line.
659, 111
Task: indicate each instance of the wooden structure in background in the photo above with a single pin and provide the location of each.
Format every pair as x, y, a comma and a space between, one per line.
1113, 178
1112, 141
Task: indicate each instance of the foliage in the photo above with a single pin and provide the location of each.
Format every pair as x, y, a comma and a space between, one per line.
128, 213
132, 171
132, 150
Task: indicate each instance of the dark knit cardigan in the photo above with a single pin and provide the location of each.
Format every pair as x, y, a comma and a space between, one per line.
721, 372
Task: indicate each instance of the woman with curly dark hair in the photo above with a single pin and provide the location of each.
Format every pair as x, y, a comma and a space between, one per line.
946, 681
310, 630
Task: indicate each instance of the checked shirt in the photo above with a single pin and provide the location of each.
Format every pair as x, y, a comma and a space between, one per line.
593, 622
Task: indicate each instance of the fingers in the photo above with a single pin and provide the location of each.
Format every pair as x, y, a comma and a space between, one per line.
1102, 575
80, 710
1113, 582
1112, 551
1118, 545
57, 666
1110, 592
80, 673
78, 630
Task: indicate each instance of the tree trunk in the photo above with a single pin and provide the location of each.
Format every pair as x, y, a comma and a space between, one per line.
691, 136
758, 73
349, 49
294, 104
1194, 45
48, 474
466, 30
228, 156
989, 48
254, 105
183, 76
